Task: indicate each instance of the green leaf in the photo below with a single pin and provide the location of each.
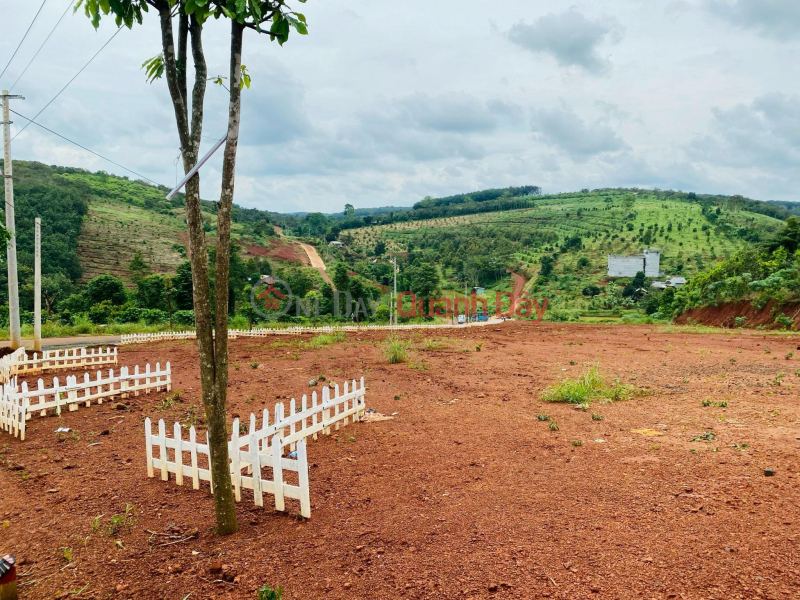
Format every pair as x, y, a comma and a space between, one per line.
300, 27
255, 9
154, 68
104, 6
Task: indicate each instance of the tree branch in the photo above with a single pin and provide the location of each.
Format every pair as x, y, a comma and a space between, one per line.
222, 267
200, 77
173, 81
183, 67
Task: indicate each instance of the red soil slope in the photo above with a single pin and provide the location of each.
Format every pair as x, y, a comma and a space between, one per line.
724, 314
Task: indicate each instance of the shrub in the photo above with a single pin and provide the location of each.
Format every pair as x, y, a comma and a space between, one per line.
183, 317
101, 312
784, 322
739, 321
396, 350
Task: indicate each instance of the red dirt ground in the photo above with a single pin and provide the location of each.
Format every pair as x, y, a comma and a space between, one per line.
281, 250
465, 494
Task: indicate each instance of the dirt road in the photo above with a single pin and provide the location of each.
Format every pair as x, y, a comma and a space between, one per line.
519, 285
466, 494
317, 262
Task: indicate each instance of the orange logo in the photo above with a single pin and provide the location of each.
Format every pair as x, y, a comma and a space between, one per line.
271, 303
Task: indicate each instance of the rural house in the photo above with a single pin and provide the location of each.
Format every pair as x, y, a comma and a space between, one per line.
628, 265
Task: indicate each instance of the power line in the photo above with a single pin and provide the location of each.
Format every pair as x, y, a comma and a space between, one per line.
23, 37
85, 148
67, 85
69, 5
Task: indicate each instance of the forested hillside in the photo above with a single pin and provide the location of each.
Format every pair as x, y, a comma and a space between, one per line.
561, 242
760, 274
97, 226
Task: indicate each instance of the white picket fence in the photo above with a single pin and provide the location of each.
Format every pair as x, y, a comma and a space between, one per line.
13, 412
8, 364
74, 392
18, 403
70, 358
199, 468
261, 448
143, 338
21, 363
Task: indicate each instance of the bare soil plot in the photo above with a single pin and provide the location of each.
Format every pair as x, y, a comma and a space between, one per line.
464, 494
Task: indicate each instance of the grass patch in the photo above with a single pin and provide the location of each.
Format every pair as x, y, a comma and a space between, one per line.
586, 388
396, 350
326, 339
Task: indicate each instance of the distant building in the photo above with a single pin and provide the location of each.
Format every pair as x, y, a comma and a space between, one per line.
673, 282
479, 290
628, 265
676, 282
336, 244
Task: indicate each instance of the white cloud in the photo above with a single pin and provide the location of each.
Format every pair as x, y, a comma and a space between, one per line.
384, 103
570, 38
778, 19
562, 128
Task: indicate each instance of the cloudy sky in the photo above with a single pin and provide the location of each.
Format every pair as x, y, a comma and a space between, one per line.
386, 102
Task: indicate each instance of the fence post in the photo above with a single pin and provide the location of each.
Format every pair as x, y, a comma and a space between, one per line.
336, 403
162, 449
302, 478
362, 395
255, 464
178, 454
72, 393
41, 397
277, 471
148, 442
23, 419
58, 396
314, 413
291, 425
251, 430
236, 466
124, 383
326, 410
193, 450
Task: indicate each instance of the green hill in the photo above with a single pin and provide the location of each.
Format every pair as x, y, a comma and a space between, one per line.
94, 223
562, 241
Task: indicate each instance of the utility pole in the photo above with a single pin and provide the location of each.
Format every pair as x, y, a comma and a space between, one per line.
394, 310
37, 286
15, 339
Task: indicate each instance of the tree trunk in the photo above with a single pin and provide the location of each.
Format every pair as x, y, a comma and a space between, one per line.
190, 133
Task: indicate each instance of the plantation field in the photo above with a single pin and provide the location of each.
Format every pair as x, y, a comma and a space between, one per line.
112, 232
685, 485
579, 231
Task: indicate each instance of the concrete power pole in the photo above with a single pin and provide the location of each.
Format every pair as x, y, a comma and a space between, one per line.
37, 287
15, 339
394, 309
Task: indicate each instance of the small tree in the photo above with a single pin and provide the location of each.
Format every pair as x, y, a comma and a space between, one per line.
137, 267
173, 62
